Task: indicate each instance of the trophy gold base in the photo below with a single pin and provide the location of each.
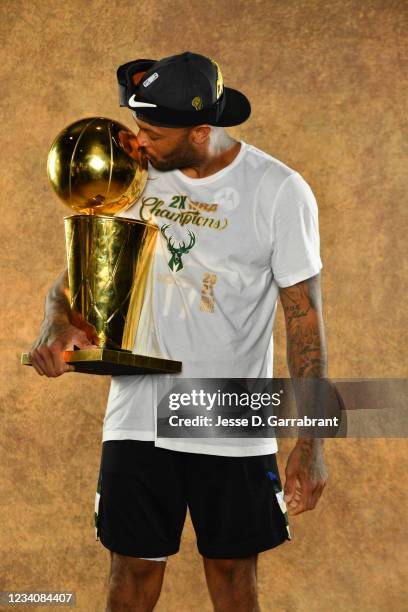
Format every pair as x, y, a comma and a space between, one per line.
115, 363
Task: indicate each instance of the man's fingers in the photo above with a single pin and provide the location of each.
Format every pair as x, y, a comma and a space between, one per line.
302, 506
92, 336
307, 500
316, 493
298, 509
294, 500
37, 369
40, 361
86, 345
58, 360
82, 341
34, 362
290, 488
86, 330
47, 353
299, 505
297, 501
48, 362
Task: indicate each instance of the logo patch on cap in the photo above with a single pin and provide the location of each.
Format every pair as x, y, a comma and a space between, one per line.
197, 103
150, 80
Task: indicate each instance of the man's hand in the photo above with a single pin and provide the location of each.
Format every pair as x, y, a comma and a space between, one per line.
306, 476
58, 334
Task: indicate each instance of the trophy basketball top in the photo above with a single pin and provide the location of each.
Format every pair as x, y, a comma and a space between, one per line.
90, 170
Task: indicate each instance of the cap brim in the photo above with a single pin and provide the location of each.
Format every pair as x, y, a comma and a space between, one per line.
237, 108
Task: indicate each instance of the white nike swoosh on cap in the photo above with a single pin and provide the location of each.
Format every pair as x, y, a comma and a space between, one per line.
134, 103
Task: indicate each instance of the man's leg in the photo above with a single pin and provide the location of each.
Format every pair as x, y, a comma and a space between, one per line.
140, 510
235, 506
134, 584
232, 584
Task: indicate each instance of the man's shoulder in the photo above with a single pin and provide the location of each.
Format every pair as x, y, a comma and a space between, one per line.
273, 170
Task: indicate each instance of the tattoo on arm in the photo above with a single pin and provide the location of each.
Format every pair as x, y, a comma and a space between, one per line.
57, 301
306, 345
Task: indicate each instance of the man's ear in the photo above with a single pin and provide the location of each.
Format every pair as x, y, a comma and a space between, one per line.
200, 133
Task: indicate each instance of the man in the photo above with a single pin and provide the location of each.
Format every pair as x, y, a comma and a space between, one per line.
238, 228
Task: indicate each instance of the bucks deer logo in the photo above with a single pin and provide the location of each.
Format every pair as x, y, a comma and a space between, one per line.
175, 262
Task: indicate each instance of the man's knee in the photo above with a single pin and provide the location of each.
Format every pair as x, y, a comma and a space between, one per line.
134, 583
232, 583
135, 568
231, 569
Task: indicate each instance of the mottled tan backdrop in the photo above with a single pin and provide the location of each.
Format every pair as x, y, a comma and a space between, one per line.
326, 82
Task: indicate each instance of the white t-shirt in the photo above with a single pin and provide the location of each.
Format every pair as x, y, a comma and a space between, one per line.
247, 230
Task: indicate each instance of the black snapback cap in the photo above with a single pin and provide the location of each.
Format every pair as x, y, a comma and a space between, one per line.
180, 90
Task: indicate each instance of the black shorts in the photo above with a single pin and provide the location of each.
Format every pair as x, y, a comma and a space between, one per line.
236, 503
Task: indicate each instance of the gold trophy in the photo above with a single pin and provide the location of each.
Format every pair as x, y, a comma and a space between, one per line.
109, 258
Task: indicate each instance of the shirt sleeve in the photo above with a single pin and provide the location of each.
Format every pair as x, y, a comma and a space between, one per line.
295, 227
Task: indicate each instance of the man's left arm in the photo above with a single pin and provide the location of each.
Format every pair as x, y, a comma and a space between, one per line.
306, 474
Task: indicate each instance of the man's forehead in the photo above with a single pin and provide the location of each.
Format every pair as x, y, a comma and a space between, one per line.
147, 125
152, 126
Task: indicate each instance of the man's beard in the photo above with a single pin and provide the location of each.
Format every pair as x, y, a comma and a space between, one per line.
164, 166
181, 158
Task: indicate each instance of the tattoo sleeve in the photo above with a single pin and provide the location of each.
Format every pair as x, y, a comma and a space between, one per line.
306, 344
57, 302
307, 354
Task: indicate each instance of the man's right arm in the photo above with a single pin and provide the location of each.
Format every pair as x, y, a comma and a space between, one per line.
61, 329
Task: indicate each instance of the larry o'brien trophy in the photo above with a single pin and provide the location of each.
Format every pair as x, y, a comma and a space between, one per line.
108, 257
